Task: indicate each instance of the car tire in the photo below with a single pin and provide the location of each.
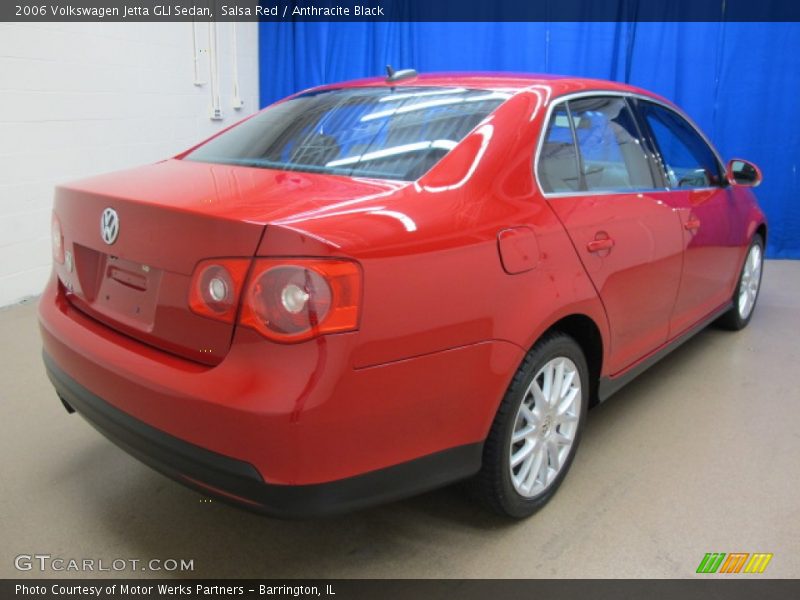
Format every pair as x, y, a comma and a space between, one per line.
747, 288
503, 482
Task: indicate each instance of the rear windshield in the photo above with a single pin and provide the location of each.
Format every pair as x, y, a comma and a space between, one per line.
385, 133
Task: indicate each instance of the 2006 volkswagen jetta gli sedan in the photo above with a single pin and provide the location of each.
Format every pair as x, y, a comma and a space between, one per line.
371, 289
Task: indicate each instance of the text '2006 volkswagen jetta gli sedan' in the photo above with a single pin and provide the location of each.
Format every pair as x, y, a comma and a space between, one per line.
371, 289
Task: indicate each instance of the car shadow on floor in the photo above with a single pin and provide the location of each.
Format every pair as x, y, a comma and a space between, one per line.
151, 516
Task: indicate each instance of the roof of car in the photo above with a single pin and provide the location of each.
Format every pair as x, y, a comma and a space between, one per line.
559, 84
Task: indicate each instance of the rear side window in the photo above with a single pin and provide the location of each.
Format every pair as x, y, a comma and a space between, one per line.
688, 160
386, 133
610, 151
558, 160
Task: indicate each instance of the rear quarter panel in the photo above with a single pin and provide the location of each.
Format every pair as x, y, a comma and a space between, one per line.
433, 278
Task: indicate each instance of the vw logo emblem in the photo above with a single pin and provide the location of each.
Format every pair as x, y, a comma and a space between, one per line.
109, 226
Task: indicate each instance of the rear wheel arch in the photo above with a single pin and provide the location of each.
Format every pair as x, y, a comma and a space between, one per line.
587, 334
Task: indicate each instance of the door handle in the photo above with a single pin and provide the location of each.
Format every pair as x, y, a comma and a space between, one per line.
600, 245
693, 224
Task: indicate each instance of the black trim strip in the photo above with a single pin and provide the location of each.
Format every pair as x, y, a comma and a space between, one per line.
609, 386
239, 482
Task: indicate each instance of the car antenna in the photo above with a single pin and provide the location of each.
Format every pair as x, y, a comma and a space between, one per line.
392, 75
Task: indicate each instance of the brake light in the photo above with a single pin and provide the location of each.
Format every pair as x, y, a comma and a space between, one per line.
292, 300
57, 238
216, 287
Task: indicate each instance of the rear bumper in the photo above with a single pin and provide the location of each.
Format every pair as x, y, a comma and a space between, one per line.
287, 429
240, 483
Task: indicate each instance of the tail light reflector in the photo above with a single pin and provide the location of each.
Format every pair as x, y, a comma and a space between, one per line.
216, 287
292, 300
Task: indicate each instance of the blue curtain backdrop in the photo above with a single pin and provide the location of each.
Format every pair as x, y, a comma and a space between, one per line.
739, 81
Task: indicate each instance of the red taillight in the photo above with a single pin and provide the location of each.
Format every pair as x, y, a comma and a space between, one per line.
291, 300
57, 237
216, 287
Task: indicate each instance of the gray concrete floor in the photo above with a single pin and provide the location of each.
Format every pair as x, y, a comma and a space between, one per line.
699, 454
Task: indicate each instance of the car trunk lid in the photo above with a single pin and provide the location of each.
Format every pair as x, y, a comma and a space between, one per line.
170, 216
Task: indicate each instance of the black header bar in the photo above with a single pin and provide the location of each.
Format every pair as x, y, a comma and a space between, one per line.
399, 10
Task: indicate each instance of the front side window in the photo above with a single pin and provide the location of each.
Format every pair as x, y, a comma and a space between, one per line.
611, 154
688, 160
386, 133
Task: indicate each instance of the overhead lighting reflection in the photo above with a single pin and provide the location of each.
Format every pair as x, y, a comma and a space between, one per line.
381, 211
542, 93
390, 187
393, 151
486, 131
381, 114
436, 92
407, 222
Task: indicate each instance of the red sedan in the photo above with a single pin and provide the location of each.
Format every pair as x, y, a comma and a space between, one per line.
372, 289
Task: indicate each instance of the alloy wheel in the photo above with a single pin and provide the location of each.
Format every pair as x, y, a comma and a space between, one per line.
751, 279
545, 427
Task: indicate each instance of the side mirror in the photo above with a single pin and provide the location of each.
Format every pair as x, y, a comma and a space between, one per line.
742, 172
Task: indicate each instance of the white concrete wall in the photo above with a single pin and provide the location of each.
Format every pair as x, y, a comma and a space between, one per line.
77, 99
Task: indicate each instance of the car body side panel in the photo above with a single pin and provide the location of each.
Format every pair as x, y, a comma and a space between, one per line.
638, 277
711, 250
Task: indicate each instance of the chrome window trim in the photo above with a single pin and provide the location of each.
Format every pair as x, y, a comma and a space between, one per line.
624, 95
628, 191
